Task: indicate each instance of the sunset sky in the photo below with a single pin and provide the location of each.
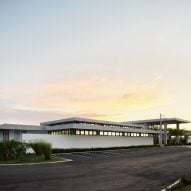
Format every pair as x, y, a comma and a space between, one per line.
114, 60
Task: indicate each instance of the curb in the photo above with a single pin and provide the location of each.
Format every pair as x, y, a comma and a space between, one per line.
25, 164
172, 185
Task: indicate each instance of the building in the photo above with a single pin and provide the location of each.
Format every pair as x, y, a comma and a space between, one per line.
88, 133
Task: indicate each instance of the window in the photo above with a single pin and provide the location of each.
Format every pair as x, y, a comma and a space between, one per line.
113, 133
105, 133
86, 132
77, 132
82, 132
101, 133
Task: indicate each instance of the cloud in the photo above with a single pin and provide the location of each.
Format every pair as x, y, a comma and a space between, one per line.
95, 97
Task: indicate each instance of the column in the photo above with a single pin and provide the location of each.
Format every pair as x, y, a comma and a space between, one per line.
165, 133
177, 136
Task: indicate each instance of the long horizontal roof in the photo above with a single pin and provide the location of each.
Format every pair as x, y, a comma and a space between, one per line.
85, 120
157, 121
22, 127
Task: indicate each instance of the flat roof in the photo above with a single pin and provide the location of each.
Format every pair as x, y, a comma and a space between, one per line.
85, 120
22, 127
157, 121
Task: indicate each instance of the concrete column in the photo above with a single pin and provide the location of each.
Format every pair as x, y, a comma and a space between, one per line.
177, 137
165, 133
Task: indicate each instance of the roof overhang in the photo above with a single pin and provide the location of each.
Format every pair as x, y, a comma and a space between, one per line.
157, 121
85, 120
22, 127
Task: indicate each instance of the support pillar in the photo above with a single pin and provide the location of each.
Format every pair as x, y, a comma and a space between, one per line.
165, 133
177, 136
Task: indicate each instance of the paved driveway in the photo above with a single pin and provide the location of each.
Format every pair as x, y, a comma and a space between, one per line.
149, 169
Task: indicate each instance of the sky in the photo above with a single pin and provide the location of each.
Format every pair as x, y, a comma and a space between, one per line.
102, 59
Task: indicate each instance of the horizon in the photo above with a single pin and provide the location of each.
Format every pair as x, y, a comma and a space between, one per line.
109, 60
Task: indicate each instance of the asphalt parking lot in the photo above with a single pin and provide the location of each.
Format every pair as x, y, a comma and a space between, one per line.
149, 169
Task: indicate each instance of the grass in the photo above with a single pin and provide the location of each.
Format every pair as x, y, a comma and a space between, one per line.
30, 159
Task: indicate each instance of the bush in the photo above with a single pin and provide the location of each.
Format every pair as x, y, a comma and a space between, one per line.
36, 148
12, 149
42, 148
46, 150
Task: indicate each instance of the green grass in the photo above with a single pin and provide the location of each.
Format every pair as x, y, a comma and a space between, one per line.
185, 188
31, 159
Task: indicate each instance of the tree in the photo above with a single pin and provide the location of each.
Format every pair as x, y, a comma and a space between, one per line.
178, 133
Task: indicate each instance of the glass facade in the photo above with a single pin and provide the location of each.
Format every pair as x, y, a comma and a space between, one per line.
98, 133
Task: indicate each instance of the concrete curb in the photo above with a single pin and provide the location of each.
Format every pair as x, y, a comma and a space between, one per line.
172, 185
24, 164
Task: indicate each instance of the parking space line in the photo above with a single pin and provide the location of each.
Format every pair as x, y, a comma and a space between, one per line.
76, 155
94, 154
113, 153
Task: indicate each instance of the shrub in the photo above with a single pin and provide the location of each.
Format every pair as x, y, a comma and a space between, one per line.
12, 149
42, 148
46, 150
36, 147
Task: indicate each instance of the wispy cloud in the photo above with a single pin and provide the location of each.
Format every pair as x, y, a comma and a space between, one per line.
94, 97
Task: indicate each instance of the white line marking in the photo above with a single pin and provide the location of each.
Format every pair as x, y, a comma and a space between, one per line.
78, 155
98, 154
113, 153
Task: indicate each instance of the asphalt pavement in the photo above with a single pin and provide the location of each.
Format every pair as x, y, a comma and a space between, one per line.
149, 169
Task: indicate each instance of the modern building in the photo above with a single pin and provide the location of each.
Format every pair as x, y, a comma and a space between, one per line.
88, 133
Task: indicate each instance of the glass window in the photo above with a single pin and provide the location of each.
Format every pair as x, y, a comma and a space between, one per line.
86, 132
105, 133
113, 133
120, 134
109, 133
82, 132
77, 132
90, 132
101, 133
94, 132
117, 133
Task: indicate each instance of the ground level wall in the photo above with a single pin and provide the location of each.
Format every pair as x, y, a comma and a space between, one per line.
79, 141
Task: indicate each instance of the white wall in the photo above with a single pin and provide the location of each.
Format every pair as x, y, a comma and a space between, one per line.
79, 141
